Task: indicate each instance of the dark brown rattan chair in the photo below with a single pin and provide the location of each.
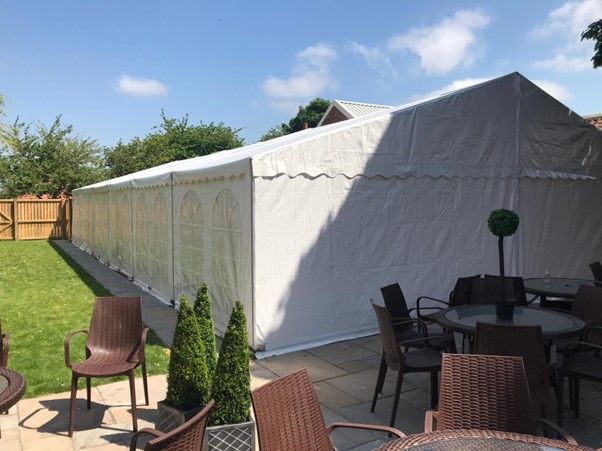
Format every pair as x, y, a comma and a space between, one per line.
187, 437
581, 360
422, 360
501, 288
596, 268
520, 341
4, 347
406, 327
488, 392
460, 295
115, 346
288, 416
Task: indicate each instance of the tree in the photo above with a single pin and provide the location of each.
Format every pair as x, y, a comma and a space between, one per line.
173, 139
311, 113
47, 161
502, 223
594, 32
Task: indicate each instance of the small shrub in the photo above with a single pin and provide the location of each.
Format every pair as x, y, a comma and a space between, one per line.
204, 315
503, 222
187, 380
232, 386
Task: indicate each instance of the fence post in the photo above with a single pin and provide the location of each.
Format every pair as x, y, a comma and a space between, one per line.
15, 222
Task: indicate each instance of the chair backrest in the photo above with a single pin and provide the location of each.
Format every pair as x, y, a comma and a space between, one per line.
116, 325
484, 392
588, 307
492, 289
596, 268
392, 351
520, 341
462, 293
288, 415
188, 437
395, 301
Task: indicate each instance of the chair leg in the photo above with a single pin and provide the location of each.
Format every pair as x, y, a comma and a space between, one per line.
89, 392
396, 399
144, 381
571, 393
72, 404
380, 380
559, 397
133, 396
576, 400
434, 389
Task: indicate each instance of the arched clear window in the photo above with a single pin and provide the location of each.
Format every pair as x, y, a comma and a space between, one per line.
159, 236
226, 241
141, 234
190, 228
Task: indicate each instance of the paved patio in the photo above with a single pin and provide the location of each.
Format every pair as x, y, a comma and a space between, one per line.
343, 373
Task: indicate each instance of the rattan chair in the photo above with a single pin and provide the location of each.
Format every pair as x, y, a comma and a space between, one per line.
596, 268
4, 347
288, 416
581, 360
405, 327
187, 437
487, 392
460, 295
496, 288
115, 346
520, 341
423, 360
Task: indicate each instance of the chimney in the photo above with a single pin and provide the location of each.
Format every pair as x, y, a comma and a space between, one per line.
305, 125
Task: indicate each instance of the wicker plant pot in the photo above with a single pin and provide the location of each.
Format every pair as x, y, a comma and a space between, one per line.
231, 437
171, 417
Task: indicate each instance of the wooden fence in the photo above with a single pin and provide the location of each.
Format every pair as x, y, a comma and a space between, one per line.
35, 219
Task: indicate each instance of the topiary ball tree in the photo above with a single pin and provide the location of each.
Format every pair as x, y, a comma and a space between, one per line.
502, 223
204, 315
188, 384
232, 386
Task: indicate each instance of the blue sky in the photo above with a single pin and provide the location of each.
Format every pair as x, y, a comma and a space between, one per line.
109, 67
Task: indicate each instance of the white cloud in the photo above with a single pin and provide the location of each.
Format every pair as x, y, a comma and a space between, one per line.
309, 77
453, 86
375, 57
555, 89
446, 45
565, 24
140, 87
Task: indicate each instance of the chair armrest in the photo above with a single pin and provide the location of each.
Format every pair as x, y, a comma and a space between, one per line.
142, 345
593, 325
67, 344
579, 344
440, 301
429, 416
423, 339
149, 431
414, 321
564, 434
5, 349
372, 427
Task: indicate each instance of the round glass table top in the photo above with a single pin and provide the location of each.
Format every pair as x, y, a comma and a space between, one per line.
553, 324
557, 287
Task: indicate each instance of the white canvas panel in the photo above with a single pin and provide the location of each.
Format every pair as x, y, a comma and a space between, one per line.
326, 245
561, 223
213, 243
120, 230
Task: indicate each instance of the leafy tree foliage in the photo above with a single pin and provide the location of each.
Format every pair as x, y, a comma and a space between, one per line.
47, 160
188, 383
173, 139
594, 32
204, 316
232, 388
311, 113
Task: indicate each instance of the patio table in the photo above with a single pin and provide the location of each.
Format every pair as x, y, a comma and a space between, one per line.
477, 440
558, 287
12, 387
554, 325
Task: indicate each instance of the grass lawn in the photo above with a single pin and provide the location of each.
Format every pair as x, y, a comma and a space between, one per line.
43, 295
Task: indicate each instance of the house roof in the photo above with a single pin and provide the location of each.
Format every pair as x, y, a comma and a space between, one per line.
353, 109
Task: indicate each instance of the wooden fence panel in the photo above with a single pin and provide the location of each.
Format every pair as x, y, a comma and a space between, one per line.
35, 219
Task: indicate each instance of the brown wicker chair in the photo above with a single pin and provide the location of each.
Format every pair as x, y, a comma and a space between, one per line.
4, 347
520, 341
497, 287
460, 295
423, 360
187, 437
288, 416
487, 392
406, 327
115, 346
596, 268
581, 360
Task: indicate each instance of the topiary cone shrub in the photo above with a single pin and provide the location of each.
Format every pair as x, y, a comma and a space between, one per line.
204, 316
232, 384
188, 384
502, 223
